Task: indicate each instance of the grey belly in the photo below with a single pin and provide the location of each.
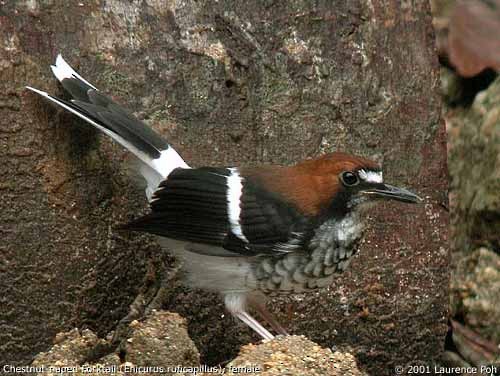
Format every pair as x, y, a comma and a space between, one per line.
329, 253
300, 271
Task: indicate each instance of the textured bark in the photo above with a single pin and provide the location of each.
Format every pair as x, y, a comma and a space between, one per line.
231, 83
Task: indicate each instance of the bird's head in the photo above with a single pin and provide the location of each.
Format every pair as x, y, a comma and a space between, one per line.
365, 184
342, 182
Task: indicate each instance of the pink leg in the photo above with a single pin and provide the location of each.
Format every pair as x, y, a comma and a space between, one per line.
259, 304
236, 304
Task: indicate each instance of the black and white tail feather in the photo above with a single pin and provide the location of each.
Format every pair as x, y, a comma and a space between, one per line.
157, 159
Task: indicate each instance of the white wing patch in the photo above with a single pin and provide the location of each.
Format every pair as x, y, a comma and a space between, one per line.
371, 176
234, 191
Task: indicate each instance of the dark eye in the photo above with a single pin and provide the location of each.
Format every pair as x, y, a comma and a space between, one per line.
349, 179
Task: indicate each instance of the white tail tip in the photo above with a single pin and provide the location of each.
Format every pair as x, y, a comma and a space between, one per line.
63, 70
42, 93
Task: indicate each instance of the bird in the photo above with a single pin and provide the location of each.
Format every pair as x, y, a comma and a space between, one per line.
246, 233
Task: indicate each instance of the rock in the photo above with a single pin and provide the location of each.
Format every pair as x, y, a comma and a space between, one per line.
156, 345
475, 288
475, 171
474, 144
465, 39
292, 355
162, 340
160, 344
467, 35
71, 349
474, 40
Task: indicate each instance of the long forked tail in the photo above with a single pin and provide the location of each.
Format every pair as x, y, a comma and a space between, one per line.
157, 157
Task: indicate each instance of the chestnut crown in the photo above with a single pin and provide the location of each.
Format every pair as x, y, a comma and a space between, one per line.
334, 179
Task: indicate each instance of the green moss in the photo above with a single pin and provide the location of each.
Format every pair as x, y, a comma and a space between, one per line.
115, 82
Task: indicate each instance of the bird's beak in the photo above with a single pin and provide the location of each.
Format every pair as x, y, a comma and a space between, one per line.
391, 192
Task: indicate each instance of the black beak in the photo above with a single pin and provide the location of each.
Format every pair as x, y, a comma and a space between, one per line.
395, 193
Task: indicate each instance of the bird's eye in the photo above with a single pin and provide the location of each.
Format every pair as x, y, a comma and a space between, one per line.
349, 179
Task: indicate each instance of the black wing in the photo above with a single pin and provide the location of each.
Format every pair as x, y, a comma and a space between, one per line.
192, 205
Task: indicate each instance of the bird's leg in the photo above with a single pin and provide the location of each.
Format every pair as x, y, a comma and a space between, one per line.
259, 304
236, 304
254, 324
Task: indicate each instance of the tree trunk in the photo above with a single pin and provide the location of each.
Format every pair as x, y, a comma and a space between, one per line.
227, 83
